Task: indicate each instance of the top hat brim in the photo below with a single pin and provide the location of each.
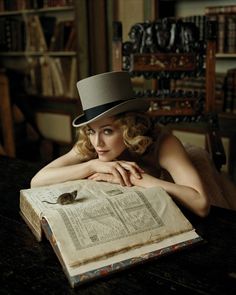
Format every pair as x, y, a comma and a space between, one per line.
138, 104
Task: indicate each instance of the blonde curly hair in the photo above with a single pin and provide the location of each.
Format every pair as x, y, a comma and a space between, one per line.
136, 128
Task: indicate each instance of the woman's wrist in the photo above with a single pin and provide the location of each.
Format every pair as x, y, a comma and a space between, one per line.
91, 166
146, 180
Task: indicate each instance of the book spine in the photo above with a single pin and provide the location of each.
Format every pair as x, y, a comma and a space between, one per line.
234, 93
231, 34
221, 33
226, 17
229, 91
220, 9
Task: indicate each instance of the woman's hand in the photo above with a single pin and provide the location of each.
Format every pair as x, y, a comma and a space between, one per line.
147, 180
115, 171
107, 177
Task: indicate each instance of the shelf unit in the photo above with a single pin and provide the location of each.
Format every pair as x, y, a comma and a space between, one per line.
185, 8
49, 97
90, 56
37, 49
224, 62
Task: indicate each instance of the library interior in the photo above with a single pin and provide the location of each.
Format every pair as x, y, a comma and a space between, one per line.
181, 57
47, 46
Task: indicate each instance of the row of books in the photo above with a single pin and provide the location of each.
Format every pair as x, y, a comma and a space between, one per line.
198, 84
226, 39
37, 33
226, 18
45, 33
12, 34
14, 5
199, 21
226, 30
220, 9
53, 76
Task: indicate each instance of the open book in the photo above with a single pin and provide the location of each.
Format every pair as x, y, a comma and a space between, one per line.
106, 227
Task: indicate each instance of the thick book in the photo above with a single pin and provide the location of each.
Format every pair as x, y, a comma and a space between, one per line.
97, 228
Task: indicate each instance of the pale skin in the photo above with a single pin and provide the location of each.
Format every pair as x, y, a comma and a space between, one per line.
111, 166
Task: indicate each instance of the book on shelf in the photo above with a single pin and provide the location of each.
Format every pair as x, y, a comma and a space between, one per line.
230, 92
226, 33
198, 84
58, 81
221, 40
46, 33
199, 21
63, 37
220, 9
231, 34
48, 24
97, 228
35, 38
72, 90
12, 34
46, 76
53, 76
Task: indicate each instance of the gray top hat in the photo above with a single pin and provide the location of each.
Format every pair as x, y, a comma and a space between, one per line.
106, 95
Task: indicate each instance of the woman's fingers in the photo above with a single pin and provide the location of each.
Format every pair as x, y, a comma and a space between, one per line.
104, 177
123, 174
119, 171
133, 168
125, 169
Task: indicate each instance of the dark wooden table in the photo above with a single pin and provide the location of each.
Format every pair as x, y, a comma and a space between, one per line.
29, 267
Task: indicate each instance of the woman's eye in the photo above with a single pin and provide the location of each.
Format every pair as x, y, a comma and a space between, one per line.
107, 131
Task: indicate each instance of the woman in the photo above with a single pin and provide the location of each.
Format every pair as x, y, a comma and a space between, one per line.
117, 143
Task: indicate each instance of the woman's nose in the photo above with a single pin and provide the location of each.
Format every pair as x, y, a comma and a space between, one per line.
98, 140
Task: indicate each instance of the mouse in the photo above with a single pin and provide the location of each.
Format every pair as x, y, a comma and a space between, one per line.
65, 198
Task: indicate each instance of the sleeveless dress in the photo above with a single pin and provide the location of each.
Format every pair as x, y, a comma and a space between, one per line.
221, 191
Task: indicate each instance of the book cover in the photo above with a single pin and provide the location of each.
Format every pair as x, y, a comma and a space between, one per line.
101, 270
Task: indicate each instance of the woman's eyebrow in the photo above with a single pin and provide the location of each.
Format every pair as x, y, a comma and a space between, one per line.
106, 125
102, 126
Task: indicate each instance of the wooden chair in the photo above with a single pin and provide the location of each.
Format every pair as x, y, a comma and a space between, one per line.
7, 146
165, 50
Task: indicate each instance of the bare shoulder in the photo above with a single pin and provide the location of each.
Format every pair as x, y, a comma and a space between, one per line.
174, 158
171, 151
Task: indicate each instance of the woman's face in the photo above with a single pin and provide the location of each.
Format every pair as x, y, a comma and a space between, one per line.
106, 138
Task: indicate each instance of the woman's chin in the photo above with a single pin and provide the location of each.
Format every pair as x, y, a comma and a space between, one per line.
105, 158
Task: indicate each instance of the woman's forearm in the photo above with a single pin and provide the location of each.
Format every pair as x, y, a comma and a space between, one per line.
50, 175
187, 196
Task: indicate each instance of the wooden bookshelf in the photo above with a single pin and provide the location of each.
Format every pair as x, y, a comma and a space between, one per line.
224, 62
31, 70
45, 41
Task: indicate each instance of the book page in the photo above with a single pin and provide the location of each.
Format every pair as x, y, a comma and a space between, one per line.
34, 201
107, 219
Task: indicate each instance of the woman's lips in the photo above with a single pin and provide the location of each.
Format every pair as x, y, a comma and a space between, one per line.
101, 152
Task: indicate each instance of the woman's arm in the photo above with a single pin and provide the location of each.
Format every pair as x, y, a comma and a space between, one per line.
69, 167
64, 168
187, 188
